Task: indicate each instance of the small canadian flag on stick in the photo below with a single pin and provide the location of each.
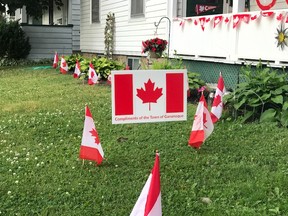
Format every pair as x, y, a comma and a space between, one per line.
63, 66
77, 71
91, 148
55, 61
92, 75
202, 125
217, 106
149, 201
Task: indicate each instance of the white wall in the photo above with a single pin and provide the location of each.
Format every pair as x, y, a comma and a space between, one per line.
248, 42
129, 32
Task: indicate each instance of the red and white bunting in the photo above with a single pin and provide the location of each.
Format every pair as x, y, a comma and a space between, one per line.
254, 17
237, 18
267, 13
217, 20
227, 20
203, 21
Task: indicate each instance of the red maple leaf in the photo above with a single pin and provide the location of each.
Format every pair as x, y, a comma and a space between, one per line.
217, 100
95, 134
63, 64
149, 95
204, 119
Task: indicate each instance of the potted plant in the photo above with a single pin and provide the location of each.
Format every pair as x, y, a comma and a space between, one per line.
154, 46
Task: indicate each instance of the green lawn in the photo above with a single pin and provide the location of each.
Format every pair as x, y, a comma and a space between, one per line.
242, 169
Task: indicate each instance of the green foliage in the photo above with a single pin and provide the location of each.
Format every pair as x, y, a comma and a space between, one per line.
34, 8
42, 117
14, 43
5, 62
263, 96
102, 65
166, 63
195, 82
71, 60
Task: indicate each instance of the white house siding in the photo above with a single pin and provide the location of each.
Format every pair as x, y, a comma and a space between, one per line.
45, 40
129, 32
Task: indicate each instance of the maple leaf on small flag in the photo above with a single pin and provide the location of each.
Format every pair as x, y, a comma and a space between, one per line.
95, 134
149, 95
217, 100
64, 64
204, 119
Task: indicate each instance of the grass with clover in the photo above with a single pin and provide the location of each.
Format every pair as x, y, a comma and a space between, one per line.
240, 170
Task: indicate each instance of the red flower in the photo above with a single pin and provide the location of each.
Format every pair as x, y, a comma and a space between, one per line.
154, 45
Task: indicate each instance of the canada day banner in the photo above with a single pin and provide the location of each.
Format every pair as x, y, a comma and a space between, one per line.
140, 96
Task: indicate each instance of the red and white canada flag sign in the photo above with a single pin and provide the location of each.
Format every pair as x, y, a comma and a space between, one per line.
149, 96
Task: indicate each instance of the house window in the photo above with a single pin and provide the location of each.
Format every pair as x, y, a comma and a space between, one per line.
133, 63
137, 8
95, 11
204, 7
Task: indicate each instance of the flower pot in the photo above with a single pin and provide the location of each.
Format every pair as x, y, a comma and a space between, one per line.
155, 54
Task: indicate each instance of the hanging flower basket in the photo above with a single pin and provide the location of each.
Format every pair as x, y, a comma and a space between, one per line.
154, 46
155, 54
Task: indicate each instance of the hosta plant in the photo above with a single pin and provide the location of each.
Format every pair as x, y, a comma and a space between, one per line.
262, 96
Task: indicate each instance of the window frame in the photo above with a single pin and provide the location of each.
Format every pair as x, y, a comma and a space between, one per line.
139, 15
98, 20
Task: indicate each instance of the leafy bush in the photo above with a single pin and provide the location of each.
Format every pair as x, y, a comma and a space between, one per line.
5, 62
103, 66
263, 96
71, 60
166, 63
14, 43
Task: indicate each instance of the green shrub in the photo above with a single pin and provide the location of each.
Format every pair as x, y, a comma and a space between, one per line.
103, 66
71, 60
263, 96
14, 43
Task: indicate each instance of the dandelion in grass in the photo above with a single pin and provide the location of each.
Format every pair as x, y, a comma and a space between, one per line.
282, 36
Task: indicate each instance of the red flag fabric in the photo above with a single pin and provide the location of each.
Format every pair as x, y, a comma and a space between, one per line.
63, 66
77, 70
91, 148
237, 18
149, 201
217, 20
200, 8
202, 125
217, 106
55, 61
92, 75
267, 13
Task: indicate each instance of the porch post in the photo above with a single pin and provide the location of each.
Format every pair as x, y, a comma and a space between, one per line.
238, 6
51, 3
